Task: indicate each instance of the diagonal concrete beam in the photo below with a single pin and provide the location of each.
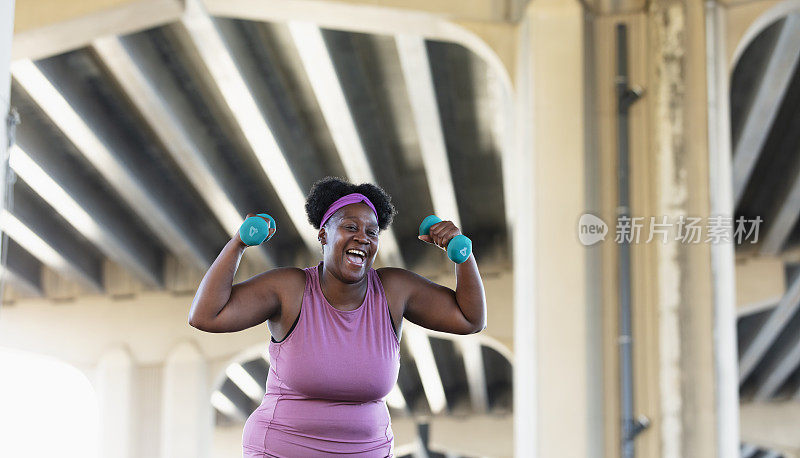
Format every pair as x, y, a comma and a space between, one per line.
46, 28
88, 219
48, 254
245, 382
473, 364
770, 330
782, 223
148, 88
20, 281
107, 163
778, 372
396, 400
766, 103
748, 450
422, 97
421, 351
331, 99
227, 407
22, 269
218, 62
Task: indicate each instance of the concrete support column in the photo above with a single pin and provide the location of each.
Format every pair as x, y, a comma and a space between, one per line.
675, 174
676, 346
6, 33
114, 383
186, 407
551, 375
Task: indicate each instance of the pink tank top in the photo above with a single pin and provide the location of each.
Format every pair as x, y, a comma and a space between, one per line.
327, 381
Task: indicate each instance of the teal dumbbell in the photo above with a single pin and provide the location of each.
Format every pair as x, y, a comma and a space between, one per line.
458, 249
255, 230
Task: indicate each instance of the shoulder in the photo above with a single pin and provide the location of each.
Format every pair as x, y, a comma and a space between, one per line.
287, 281
390, 275
291, 274
395, 279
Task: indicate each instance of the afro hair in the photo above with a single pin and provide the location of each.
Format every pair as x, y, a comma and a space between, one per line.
329, 189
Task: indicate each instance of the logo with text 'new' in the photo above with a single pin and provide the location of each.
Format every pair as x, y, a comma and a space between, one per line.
591, 229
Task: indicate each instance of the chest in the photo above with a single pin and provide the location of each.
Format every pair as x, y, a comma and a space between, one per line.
290, 311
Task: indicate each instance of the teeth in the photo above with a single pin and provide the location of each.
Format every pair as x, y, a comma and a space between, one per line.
357, 252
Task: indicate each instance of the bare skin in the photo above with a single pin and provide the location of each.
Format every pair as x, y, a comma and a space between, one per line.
275, 296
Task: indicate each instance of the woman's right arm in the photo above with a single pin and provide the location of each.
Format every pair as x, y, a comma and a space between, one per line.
219, 306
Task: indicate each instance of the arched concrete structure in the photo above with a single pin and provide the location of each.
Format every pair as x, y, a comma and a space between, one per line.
759, 21
544, 115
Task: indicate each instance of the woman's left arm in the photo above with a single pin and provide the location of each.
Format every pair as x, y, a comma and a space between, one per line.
438, 307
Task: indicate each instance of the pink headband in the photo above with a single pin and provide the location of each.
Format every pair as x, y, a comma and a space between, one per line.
353, 198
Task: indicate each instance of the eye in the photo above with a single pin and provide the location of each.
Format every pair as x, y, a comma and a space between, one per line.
351, 227
373, 233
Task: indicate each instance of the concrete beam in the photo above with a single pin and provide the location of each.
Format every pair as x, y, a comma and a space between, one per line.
46, 28
782, 223
422, 97
378, 20
227, 407
616, 6
772, 426
148, 86
770, 330
21, 282
420, 347
760, 284
748, 450
396, 400
476, 435
106, 162
776, 374
218, 62
18, 226
88, 217
246, 383
323, 78
764, 108
476, 376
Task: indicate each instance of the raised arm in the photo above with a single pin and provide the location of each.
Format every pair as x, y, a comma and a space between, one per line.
220, 306
438, 307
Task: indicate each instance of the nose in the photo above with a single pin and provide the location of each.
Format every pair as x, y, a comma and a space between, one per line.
361, 237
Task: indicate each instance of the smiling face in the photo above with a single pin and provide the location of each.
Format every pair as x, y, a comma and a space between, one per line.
350, 242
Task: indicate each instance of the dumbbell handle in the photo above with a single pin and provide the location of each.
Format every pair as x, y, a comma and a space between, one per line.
459, 248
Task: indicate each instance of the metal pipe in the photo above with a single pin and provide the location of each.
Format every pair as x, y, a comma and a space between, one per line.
626, 96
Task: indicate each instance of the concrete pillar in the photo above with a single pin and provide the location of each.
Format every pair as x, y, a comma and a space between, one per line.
114, 383
683, 300
551, 376
6, 33
186, 404
679, 356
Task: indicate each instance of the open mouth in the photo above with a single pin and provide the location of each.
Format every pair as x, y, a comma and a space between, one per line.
356, 257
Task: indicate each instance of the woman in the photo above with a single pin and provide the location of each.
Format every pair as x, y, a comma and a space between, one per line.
335, 327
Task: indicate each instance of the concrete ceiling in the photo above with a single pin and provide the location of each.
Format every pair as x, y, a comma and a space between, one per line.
765, 126
154, 145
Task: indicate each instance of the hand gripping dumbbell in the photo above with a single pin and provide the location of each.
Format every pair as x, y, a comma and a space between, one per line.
458, 248
255, 230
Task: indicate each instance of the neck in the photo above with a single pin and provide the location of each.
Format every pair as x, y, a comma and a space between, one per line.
340, 293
